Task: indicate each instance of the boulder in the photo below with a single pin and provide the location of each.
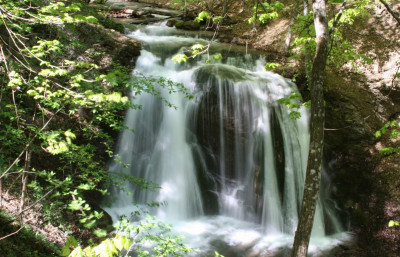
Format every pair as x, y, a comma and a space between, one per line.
187, 25
172, 22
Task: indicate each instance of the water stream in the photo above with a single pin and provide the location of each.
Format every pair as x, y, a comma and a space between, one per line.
230, 162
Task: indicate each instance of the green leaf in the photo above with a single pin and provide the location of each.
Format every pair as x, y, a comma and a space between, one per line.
393, 223
77, 252
84, 187
179, 58
218, 19
100, 232
91, 19
65, 251
272, 66
202, 15
294, 115
198, 47
217, 57
75, 205
71, 241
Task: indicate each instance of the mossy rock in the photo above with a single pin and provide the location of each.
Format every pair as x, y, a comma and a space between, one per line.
187, 25
172, 22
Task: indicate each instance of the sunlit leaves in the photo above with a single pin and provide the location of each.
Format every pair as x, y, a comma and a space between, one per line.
264, 12
217, 57
179, 58
46, 47
272, 66
393, 223
196, 49
52, 72
386, 127
393, 127
101, 233
115, 97
202, 15
58, 142
15, 80
69, 244
217, 19
292, 102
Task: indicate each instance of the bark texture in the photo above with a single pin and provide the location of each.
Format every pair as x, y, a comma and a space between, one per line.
314, 163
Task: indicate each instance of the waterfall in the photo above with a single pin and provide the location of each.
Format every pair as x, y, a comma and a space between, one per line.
230, 162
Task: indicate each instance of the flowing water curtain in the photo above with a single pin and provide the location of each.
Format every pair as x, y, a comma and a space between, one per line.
231, 151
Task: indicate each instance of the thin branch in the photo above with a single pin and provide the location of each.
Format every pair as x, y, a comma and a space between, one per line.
40, 199
338, 16
397, 18
335, 23
13, 233
4, 58
291, 24
28, 144
393, 80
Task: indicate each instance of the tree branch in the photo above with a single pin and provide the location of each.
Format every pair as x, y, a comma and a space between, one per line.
397, 18
338, 16
13, 233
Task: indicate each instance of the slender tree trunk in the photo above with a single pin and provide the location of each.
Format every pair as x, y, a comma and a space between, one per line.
1, 189
307, 56
291, 24
225, 8
185, 11
25, 178
314, 164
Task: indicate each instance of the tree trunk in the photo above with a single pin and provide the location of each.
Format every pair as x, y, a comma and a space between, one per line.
225, 8
185, 11
314, 164
307, 58
292, 21
25, 178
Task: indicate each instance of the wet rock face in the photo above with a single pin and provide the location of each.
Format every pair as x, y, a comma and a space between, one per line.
365, 182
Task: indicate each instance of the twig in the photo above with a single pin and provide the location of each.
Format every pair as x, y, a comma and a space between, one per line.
40, 199
338, 16
13, 233
28, 144
397, 18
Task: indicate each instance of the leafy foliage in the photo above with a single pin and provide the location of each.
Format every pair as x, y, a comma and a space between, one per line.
393, 223
264, 12
62, 108
272, 66
146, 232
292, 102
393, 127
202, 16
341, 51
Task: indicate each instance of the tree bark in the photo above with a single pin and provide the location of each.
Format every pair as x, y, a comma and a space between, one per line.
307, 55
314, 164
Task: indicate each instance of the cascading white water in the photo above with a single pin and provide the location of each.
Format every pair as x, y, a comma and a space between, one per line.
230, 162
